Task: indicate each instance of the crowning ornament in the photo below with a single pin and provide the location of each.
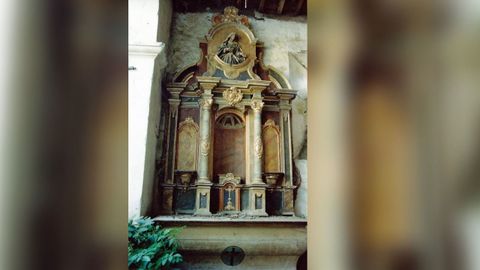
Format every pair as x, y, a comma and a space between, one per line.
230, 14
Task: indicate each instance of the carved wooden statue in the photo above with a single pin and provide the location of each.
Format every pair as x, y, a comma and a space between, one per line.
230, 51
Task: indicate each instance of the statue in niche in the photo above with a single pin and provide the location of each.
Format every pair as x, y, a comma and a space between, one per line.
230, 51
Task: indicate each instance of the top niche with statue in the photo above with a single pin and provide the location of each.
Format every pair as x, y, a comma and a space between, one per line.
231, 46
230, 50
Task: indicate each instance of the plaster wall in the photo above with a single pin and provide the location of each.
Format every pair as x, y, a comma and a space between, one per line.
148, 24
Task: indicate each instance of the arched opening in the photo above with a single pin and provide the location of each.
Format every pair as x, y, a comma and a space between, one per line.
229, 145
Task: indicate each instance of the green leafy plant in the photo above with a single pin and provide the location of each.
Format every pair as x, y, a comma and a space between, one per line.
150, 246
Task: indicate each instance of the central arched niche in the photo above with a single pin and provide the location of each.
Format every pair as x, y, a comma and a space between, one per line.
229, 143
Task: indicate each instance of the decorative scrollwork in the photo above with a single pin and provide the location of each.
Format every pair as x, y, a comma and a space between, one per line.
258, 147
233, 95
256, 105
229, 177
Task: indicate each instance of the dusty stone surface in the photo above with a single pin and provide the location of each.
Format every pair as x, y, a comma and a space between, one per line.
301, 201
298, 80
241, 217
266, 246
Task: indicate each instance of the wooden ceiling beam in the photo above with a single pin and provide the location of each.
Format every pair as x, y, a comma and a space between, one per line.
261, 6
281, 4
299, 7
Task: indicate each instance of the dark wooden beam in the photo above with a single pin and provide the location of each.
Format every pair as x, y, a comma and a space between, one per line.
299, 7
281, 4
261, 6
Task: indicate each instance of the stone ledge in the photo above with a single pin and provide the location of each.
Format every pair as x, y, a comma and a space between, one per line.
145, 49
229, 219
268, 244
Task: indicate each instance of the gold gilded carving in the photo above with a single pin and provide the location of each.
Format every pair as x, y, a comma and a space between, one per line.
258, 147
187, 145
230, 51
188, 121
229, 177
271, 141
230, 14
231, 45
229, 189
269, 123
206, 103
256, 105
232, 95
204, 147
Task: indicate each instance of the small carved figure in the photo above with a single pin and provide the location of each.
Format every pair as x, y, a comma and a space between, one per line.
230, 51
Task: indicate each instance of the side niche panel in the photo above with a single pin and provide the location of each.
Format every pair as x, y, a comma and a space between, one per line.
271, 142
187, 145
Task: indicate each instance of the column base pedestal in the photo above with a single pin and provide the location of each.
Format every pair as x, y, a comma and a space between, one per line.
166, 199
288, 208
202, 199
256, 200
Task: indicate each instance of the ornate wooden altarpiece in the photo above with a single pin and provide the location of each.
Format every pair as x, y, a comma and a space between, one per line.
228, 146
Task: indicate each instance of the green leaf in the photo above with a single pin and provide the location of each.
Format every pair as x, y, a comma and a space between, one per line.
150, 246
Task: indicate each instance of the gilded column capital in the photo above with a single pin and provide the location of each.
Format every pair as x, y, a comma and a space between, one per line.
256, 105
205, 103
207, 83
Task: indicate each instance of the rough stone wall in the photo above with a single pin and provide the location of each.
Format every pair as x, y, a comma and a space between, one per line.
285, 42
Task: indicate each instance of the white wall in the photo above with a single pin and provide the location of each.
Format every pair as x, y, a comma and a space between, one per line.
149, 22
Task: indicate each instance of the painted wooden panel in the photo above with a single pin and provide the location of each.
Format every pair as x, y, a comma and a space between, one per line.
187, 146
271, 146
229, 152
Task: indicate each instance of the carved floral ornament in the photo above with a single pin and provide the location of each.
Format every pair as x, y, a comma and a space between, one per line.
256, 105
204, 147
258, 147
205, 103
233, 95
